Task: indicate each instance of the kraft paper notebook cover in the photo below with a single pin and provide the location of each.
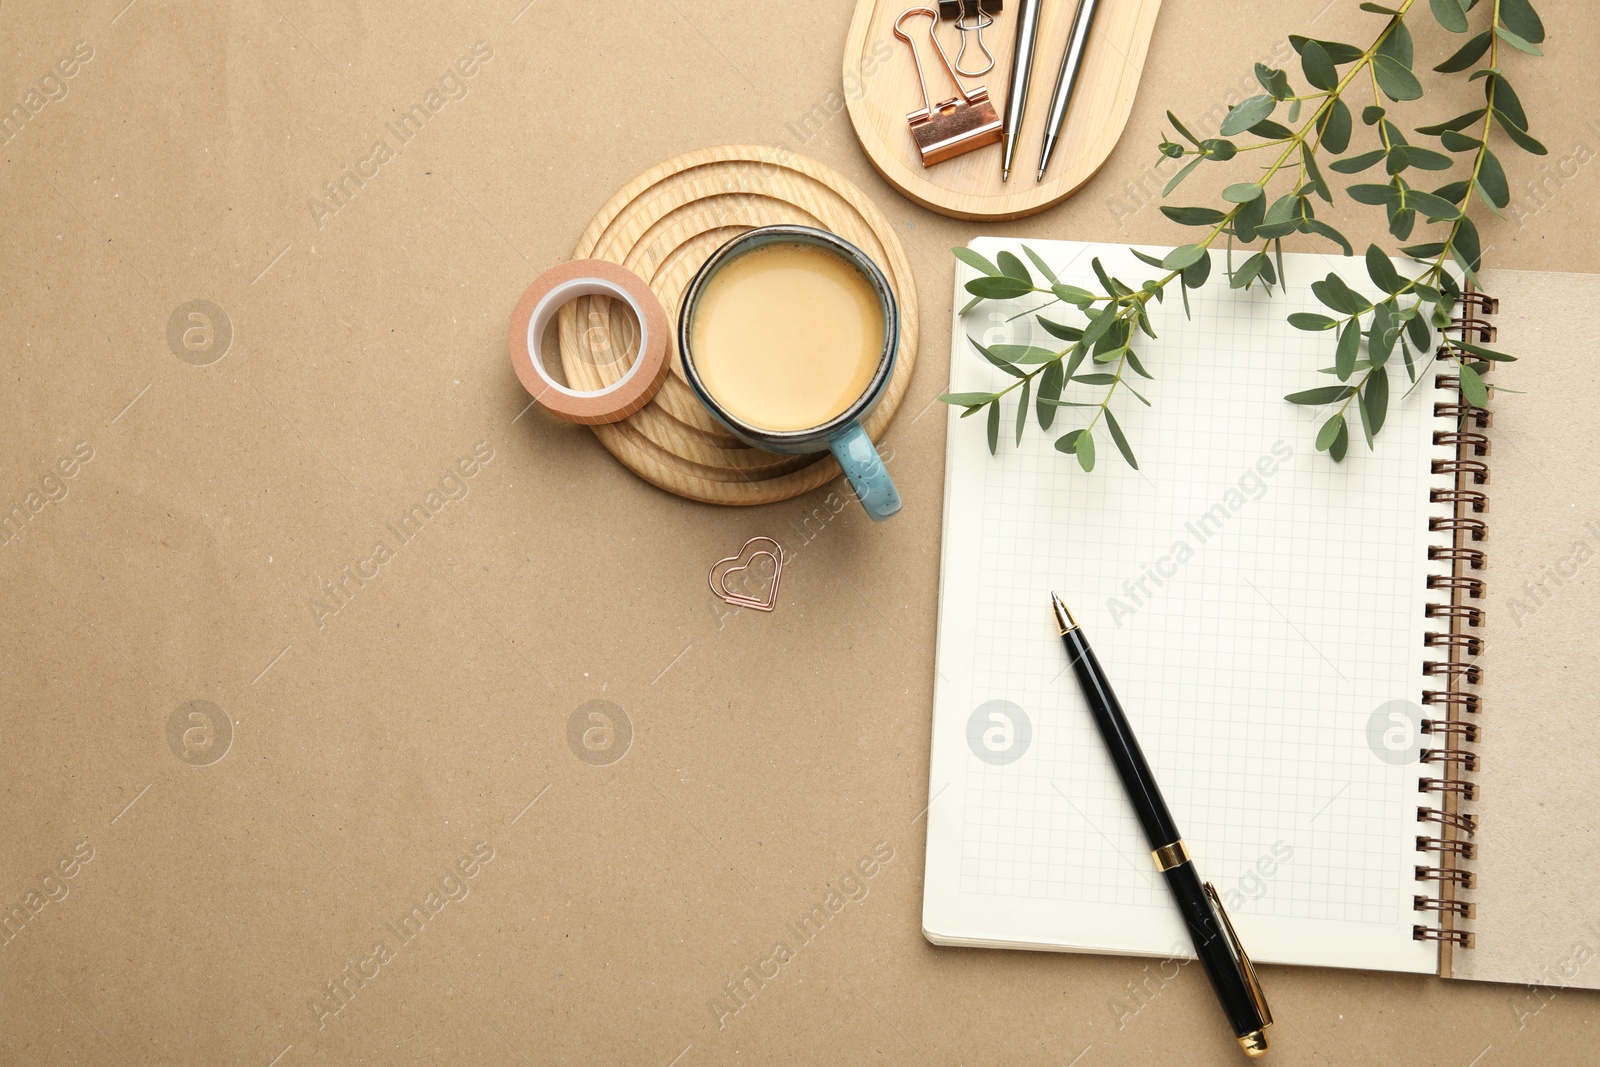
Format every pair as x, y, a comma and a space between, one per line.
1320, 666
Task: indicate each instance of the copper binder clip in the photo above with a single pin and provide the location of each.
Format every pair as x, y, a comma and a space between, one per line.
958, 125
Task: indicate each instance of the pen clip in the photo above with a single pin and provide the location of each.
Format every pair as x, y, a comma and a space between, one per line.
1244, 960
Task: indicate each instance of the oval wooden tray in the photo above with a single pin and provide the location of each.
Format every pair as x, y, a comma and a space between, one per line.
881, 87
662, 226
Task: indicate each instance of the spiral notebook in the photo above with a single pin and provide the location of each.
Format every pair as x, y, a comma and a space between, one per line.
1306, 649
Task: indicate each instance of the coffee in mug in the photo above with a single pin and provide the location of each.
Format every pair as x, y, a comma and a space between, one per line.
789, 335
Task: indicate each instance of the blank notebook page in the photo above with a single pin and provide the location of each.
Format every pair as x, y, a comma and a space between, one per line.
1258, 608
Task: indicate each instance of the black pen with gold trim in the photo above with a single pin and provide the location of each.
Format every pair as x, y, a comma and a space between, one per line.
1215, 941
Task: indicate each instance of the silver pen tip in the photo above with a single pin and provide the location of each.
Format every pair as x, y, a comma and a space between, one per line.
1040, 178
1064, 620
1005, 174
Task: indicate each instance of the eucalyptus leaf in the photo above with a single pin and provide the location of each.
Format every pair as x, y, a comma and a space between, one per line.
1371, 194
1520, 136
1023, 354
1246, 113
1247, 217
1012, 267
1022, 410
1396, 45
1344, 354
1339, 53
1375, 402
1472, 387
1085, 451
1396, 81
974, 259
1521, 19
1484, 353
1436, 208
967, 400
1184, 256
1121, 441
998, 287
1313, 174
1341, 442
1417, 332
1182, 129
1449, 15
1357, 164
1334, 127
1467, 54
1194, 216
1381, 270
1382, 335
1401, 221
995, 360
1460, 122
1058, 329
1187, 169
1517, 42
1249, 271
1317, 226
1071, 294
1044, 268
1322, 394
1318, 65
1506, 101
1492, 180
1269, 130
1330, 430
1050, 383
1427, 158
1274, 81
993, 428
1138, 368
1307, 320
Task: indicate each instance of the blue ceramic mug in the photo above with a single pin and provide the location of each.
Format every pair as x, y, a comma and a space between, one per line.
842, 434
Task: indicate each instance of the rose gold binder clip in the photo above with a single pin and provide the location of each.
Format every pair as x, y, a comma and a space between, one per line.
955, 126
745, 563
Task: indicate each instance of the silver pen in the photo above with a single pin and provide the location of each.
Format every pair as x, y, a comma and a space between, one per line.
1017, 92
1071, 62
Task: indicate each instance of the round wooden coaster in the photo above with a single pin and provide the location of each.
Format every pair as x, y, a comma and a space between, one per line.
663, 225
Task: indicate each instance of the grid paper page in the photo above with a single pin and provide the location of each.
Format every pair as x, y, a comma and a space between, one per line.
1258, 608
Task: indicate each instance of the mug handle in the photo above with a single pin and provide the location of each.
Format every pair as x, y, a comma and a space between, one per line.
868, 476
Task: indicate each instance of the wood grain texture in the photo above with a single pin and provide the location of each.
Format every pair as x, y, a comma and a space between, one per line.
881, 88
663, 225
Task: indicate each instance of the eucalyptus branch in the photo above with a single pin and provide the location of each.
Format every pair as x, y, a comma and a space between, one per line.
1404, 317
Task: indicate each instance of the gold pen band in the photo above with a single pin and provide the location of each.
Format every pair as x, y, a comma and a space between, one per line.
1169, 856
1254, 1043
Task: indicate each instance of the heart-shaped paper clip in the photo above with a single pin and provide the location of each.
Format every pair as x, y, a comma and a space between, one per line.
723, 568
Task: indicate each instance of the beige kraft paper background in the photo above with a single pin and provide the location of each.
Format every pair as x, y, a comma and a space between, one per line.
352, 713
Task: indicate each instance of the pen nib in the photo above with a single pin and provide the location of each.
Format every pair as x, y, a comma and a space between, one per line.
1064, 620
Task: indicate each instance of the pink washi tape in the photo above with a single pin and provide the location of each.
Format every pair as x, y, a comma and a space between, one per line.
539, 304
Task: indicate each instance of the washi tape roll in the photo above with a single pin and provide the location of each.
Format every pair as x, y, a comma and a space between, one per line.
539, 304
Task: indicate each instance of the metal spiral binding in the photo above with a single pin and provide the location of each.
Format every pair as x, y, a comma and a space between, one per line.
1448, 840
